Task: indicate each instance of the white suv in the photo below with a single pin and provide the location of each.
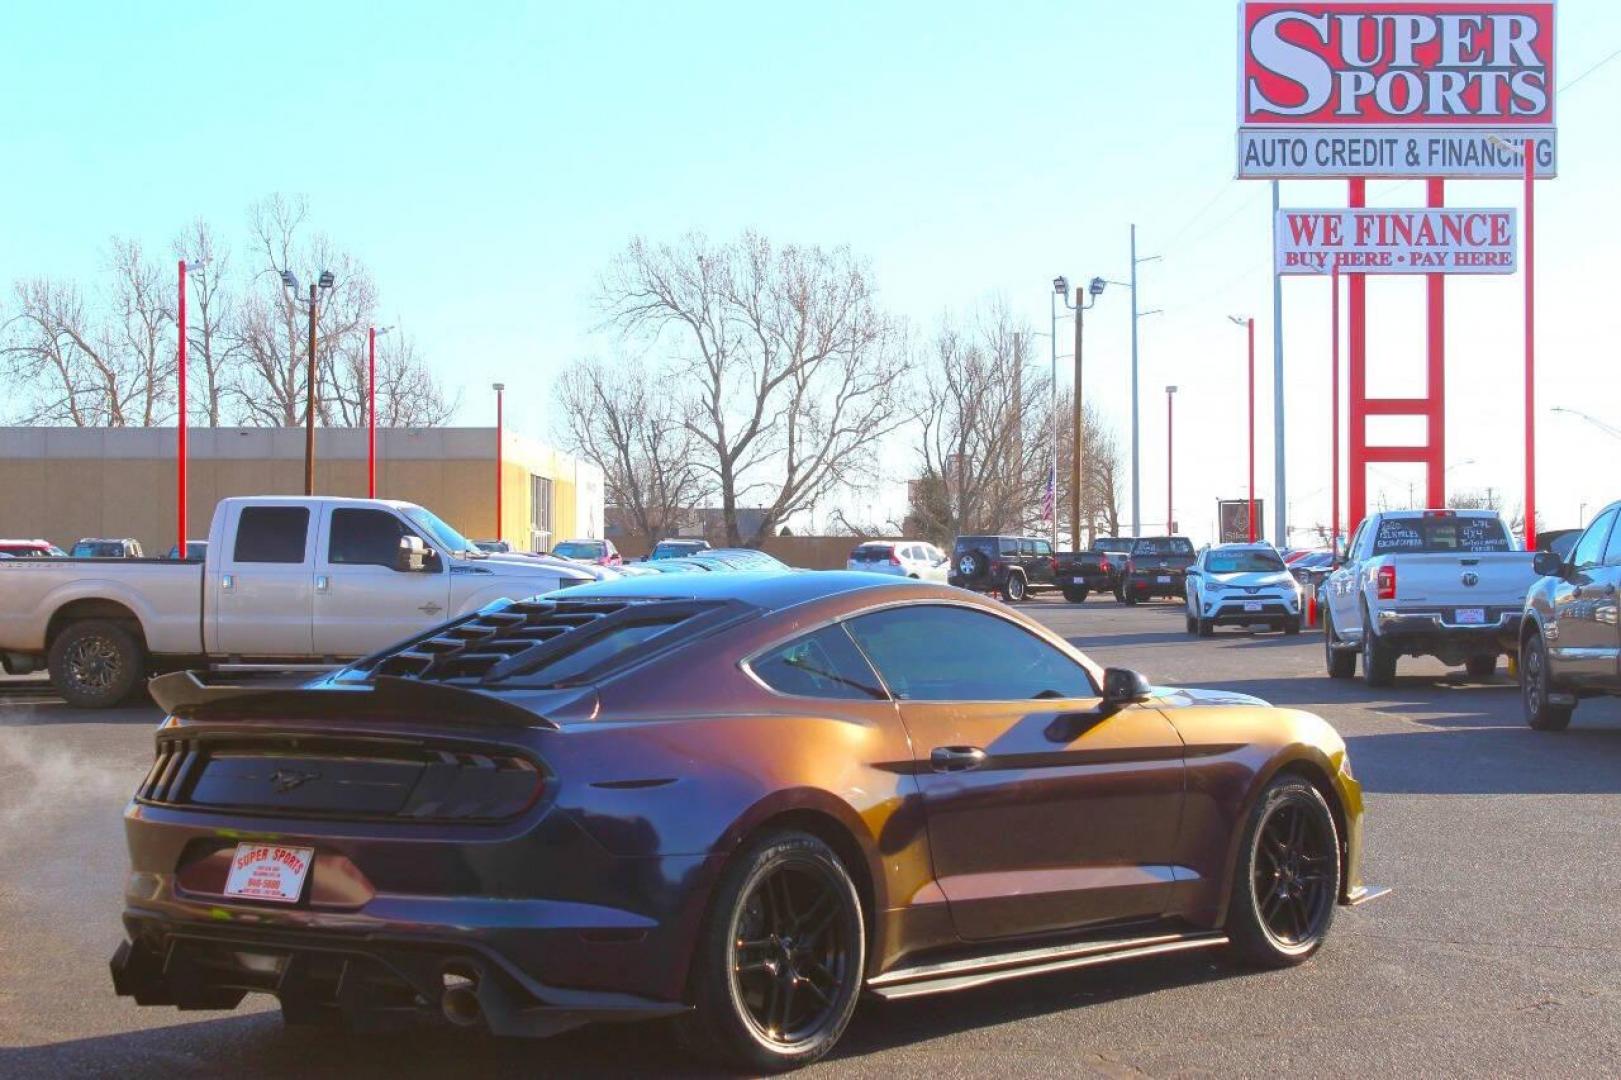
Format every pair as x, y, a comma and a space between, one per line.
903, 558
1242, 585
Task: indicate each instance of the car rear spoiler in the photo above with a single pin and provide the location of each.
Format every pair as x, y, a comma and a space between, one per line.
186, 694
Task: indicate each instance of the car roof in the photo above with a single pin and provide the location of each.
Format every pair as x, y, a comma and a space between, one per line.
1259, 545
766, 588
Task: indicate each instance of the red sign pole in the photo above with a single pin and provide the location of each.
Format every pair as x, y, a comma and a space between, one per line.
1252, 429
1530, 349
1334, 423
180, 422
1435, 285
1358, 375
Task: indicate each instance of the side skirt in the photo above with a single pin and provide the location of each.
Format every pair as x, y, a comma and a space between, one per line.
914, 981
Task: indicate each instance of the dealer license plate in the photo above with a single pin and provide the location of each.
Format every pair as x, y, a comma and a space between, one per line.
1252, 605
269, 872
1164, 579
1471, 616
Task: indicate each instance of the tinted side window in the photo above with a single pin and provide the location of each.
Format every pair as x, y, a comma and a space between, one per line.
1590, 548
365, 537
942, 653
822, 664
1009, 547
271, 534
1027, 547
1044, 547
1612, 554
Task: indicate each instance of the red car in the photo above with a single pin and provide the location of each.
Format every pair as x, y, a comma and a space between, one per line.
601, 552
31, 549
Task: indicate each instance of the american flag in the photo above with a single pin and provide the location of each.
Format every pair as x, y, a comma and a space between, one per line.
1048, 497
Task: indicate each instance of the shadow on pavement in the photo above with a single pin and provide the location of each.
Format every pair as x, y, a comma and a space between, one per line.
258, 1045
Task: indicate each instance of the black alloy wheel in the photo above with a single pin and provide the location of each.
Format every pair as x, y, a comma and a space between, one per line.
780, 963
95, 664
1536, 688
1289, 876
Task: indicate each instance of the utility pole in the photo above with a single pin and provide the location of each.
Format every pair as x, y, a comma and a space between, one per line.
309, 406
1136, 446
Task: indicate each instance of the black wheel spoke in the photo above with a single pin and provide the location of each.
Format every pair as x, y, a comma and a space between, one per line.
790, 952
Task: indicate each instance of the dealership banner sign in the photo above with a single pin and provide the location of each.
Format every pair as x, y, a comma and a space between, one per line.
1396, 241
1354, 89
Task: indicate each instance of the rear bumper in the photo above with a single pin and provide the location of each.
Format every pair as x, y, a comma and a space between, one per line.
1150, 585
1432, 633
370, 982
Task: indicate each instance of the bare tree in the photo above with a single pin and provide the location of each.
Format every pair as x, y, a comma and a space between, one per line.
1102, 466
986, 440
630, 426
791, 375
212, 317
107, 363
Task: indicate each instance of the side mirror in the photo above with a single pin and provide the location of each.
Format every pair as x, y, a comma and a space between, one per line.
1122, 686
415, 557
1548, 564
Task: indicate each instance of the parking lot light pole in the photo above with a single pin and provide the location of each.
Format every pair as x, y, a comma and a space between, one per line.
1095, 289
325, 282
1170, 459
1060, 289
372, 334
1250, 324
500, 393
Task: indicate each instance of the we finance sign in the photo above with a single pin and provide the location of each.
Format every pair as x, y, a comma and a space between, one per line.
1420, 241
1448, 88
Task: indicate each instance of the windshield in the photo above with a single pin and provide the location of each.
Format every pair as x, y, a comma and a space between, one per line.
577, 549
1112, 545
1438, 535
670, 549
440, 533
1163, 545
1243, 562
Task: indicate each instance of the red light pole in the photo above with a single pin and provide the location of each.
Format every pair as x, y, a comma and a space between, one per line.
1530, 349
500, 391
372, 334
180, 421
1170, 462
1334, 423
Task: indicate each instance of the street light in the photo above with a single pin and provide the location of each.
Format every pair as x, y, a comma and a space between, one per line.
289, 281
181, 422
1249, 323
1170, 460
1094, 289
1612, 432
372, 334
500, 392
1050, 498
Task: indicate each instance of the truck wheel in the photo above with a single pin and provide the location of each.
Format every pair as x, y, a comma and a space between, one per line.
1378, 659
1482, 666
1128, 596
1341, 663
1536, 687
95, 664
1075, 596
1015, 590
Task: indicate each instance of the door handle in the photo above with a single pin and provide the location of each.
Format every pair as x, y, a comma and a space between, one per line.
323, 583
956, 758
227, 582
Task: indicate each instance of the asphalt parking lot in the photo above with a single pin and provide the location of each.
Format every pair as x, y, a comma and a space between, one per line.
1498, 953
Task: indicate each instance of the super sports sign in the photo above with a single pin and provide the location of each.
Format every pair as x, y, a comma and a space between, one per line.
1439, 88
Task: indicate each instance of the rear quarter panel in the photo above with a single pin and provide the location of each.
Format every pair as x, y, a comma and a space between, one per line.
165, 597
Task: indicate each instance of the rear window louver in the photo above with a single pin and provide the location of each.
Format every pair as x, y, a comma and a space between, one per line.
514, 642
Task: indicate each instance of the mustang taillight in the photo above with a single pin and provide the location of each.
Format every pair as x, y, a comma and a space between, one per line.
1386, 583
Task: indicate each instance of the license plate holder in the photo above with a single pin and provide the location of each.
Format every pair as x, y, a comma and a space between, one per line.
1252, 606
1164, 579
268, 871
1471, 616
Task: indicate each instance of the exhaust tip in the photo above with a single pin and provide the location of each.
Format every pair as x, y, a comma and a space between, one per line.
459, 1002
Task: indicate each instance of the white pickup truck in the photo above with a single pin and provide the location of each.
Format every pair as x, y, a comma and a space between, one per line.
286, 582
1442, 583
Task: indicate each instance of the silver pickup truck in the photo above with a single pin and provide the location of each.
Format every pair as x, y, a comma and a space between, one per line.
286, 582
1442, 583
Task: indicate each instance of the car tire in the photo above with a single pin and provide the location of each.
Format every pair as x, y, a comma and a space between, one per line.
1340, 663
1292, 626
1207, 628
1378, 659
1287, 877
1536, 688
1128, 597
1075, 596
1482, 666
1193, 626
742, 1006
1017, 590
96, 664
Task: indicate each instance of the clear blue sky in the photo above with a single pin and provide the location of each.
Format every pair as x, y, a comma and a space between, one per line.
487, 160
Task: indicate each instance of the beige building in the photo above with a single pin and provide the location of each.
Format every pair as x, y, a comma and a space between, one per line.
63, 483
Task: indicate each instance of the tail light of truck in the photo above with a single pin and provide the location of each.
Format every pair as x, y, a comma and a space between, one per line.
1385, 583
1103, 566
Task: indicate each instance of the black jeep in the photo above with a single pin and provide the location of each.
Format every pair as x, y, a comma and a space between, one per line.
1014, 566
